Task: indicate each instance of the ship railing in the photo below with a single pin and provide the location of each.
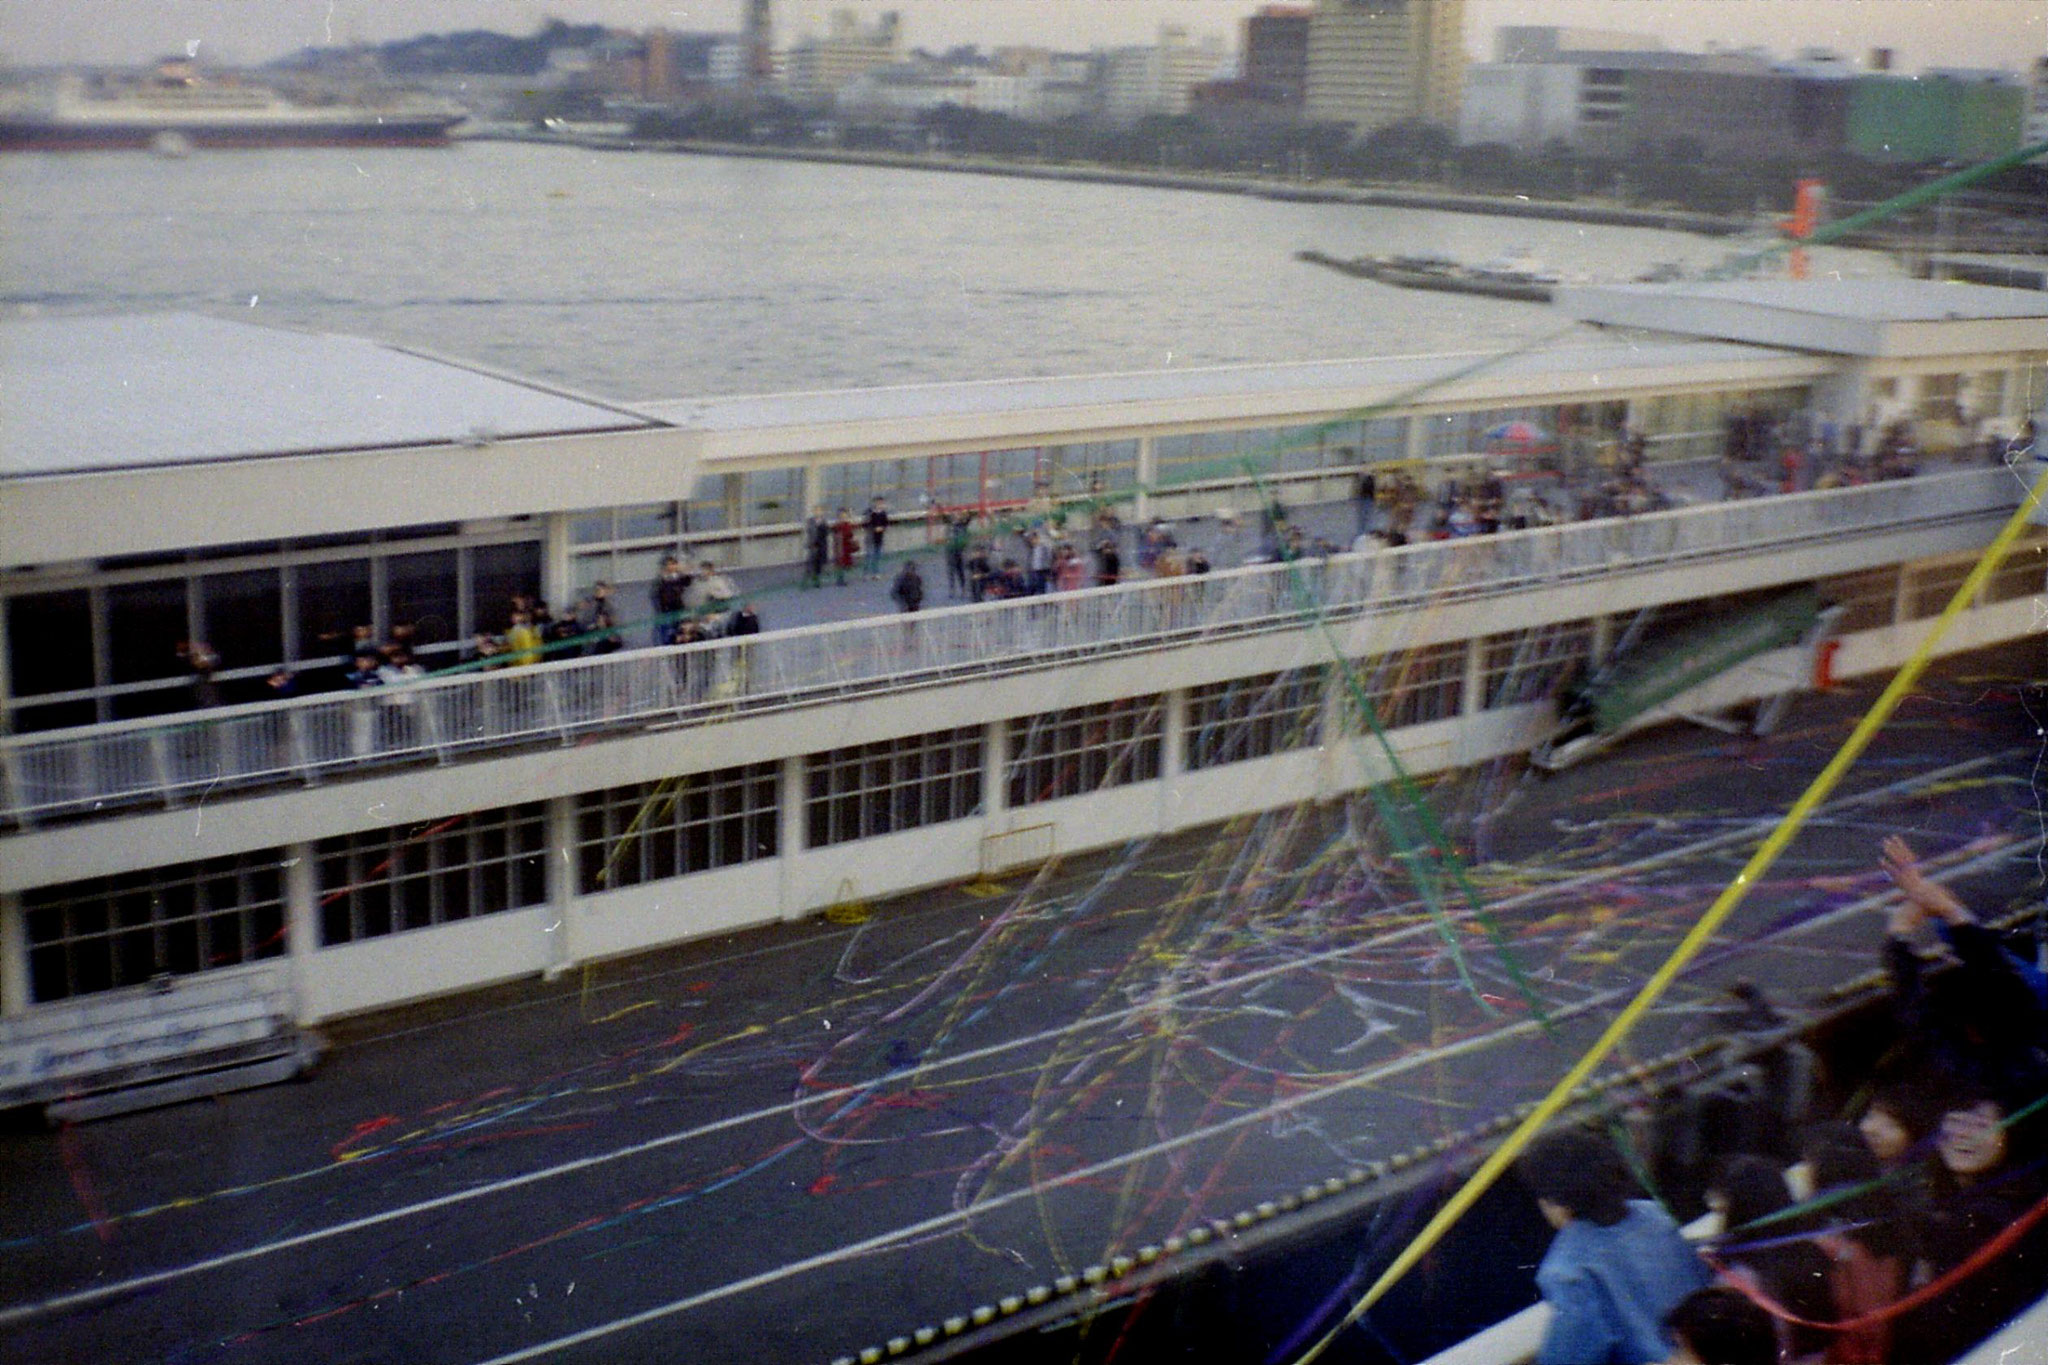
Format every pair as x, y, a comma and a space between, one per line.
168, 760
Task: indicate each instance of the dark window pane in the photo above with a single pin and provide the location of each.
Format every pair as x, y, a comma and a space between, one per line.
46, 971
417, 901
497, 572
431, 530
145, 622
157, 702
373, 902
533, 880
244, 617
61, 716
423, 594
334, 598
49, 642
453, 888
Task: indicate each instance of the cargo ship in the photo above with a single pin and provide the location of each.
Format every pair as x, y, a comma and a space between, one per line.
175, 112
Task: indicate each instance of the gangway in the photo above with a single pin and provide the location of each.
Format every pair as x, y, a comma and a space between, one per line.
1700, 669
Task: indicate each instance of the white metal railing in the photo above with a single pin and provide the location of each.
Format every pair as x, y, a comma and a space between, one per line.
161, 759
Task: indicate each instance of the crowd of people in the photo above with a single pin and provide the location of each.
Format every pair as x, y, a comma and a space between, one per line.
1902, 1235
1763, 452
1047, 546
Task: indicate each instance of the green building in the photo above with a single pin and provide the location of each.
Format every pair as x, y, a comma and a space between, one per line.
1934, 118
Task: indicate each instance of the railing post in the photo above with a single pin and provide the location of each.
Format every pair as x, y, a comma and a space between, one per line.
302, 920
558, 717
160, 760
14, 797
559, 950
1173, 738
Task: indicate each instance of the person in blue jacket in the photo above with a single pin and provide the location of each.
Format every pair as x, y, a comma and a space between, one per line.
1617, 1266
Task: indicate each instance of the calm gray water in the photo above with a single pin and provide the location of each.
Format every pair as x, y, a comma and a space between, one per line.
664, 276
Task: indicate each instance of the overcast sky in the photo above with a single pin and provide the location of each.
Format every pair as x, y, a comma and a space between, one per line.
1984, 33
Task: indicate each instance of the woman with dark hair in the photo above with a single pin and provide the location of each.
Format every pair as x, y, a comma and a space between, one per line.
1980, 1186
1901, 1115
1616, 1266
1720, 1327
1792, 1274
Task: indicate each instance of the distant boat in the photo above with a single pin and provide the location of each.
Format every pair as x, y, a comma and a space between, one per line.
1514, 276
175, 111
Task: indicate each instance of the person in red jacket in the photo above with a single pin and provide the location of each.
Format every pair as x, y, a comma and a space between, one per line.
845, 544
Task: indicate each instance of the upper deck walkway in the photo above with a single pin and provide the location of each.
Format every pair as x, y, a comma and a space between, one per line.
107, 769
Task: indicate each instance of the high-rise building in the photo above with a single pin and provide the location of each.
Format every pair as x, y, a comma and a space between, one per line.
1372, 63
1139, 81
818, 68
757, 41
1276, 53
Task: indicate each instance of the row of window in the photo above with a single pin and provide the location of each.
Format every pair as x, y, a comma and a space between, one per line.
302, 607
108, 932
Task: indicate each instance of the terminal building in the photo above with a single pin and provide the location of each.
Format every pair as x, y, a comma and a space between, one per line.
177, 479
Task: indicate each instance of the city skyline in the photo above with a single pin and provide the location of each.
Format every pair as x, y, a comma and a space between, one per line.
2006, 34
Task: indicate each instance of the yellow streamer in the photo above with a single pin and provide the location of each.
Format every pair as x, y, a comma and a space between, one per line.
1717, 914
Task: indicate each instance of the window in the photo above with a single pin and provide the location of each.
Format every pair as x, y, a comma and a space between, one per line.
1526, 665
145, 622
334, 598
49, 642
497, 574
108, 932
775, 497
2024, 573
1421, 685
1868, 599
898, 784
405, 877
426, 596
651, 831
1084, 749
1929, 587
244, 617
1229, 722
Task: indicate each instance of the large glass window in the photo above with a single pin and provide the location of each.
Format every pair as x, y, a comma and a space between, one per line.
107, 932
2024, 573
897, 784
1423, 684
650, 831
49, 642
387, 881
145, 622
706, 509
775, 497
497, 574
1229, 722
1526, 665
1868, 599
425, 595
244, 617
334, 598
1084, 749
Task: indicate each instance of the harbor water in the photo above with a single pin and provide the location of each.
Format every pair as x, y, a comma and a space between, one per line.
665, 276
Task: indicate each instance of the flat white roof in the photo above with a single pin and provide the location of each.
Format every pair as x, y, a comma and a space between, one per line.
1324, 382
79, 394
1861, 317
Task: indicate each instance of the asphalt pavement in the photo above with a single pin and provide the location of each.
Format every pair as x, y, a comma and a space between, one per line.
796, 1142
